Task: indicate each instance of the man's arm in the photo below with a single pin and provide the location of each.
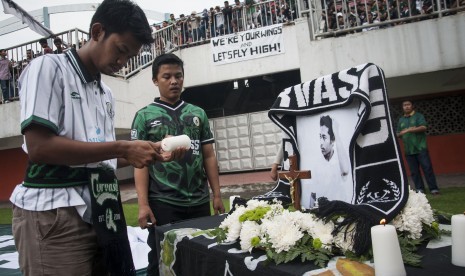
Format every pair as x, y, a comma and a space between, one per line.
46, 147
413, 129
141, 177
278, 160
343, 157
211, 168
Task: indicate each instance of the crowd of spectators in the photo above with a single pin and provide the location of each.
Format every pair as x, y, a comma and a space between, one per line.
341, 15
198, 27
15, 68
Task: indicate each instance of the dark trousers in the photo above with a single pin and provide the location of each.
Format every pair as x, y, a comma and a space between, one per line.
415, 161
7, 89
166, 213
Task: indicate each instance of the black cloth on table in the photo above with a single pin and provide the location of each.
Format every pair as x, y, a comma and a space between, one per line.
193, 257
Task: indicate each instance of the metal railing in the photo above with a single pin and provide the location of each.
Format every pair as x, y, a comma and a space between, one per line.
341, 17
328, 18
21, 55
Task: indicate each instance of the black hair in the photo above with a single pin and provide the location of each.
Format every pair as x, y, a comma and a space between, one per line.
57, 39
43, 41
120, 16
408, 100
327, 122
165, 59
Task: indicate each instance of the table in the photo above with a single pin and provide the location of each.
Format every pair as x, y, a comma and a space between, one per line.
200, 255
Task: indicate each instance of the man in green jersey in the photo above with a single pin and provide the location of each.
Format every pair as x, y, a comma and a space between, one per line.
177, 190
411, 128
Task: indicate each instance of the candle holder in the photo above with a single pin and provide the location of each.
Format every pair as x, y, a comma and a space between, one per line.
458, 239
386, 250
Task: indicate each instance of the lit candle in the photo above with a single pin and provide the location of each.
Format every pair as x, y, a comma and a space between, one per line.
173, 142
386, 251
458, 240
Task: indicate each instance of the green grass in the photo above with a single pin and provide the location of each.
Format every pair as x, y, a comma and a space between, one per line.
131, 212
450, 201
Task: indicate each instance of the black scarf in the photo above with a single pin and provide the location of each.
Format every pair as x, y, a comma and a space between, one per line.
109, 223
379, 181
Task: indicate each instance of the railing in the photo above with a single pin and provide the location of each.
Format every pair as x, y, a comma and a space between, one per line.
22, 54
327, 19
341, 17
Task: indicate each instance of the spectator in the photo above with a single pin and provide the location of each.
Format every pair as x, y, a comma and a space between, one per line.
29, 57
212, 22
194, 21
219, 21
251, 16
227, 17
59, 45
5, 76
204, 26
340, 21
412, 128
183, 30
46, 49
178, 190
237, 16
370, 21
172, 20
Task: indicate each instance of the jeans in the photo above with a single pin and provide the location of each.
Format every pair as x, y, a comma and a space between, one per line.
7, 89
415, 161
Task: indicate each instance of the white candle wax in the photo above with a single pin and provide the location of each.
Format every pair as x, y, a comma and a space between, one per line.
458, 240
386, 251
172, 143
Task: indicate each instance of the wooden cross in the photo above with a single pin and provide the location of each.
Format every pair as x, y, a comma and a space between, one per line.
293, 176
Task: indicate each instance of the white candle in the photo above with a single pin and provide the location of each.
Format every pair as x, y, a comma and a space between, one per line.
458, 240
173, 142
386, 251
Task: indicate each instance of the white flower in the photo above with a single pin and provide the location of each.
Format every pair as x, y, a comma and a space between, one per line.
250, 229
232, 224
323, 230
281, 231
254, 203
416, 211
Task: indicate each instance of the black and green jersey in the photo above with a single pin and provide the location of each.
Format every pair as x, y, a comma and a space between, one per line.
181, 182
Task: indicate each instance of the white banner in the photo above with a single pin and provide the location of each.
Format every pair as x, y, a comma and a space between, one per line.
10, 7
256, 43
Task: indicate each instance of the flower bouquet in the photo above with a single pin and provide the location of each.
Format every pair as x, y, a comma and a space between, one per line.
286, 235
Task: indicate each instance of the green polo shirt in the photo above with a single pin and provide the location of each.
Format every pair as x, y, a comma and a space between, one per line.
414, 143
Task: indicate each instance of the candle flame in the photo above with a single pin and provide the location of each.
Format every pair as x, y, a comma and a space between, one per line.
382, 222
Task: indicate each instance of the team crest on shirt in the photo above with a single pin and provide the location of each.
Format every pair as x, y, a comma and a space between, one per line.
196, 121
110, 110
133, 134
75, 95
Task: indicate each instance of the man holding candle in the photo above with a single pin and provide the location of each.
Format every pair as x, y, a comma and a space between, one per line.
412, 129
177, 190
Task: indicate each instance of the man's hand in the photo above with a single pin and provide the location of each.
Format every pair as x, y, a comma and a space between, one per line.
146, 217
218, 207
143, 153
